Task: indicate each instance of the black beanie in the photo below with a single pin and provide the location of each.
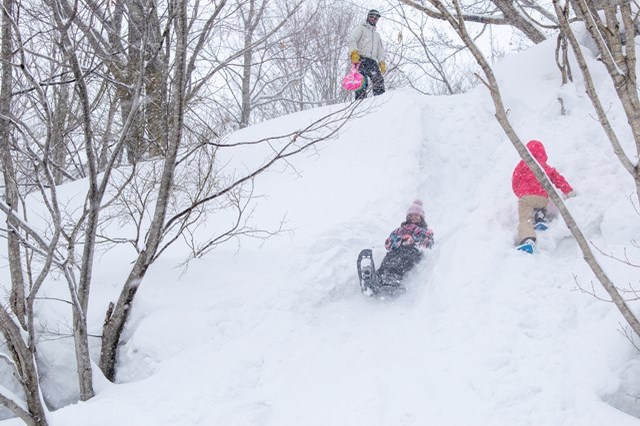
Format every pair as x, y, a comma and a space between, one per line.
374, 12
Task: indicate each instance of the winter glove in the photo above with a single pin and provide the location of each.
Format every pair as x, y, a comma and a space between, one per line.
571, 194
428, 241
383, 67
355, 56
407, 240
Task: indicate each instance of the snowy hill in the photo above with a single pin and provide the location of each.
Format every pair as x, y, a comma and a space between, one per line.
277, 333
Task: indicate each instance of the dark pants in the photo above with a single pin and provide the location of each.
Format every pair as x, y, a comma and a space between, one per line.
371, 71
397, 263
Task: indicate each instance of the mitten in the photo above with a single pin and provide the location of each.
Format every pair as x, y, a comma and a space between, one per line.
387, 244
407, 240
355, 56
428, 241
383, 67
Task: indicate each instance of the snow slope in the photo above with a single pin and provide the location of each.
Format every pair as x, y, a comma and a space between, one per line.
277, 332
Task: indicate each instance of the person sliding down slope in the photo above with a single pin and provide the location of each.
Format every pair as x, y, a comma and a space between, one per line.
404, 250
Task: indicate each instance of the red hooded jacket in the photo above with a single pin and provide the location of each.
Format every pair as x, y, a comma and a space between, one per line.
524, 182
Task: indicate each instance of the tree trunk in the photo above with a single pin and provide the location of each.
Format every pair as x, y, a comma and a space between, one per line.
11, 196
26, 370
156, 88
247, 59
58, 145
620, 82
517, 20
245, 108
119, 313
136, 146
80, 296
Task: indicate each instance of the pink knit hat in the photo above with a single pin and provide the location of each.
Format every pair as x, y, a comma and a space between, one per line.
416, 208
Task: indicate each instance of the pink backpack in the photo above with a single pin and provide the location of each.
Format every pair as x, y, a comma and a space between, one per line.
353, 80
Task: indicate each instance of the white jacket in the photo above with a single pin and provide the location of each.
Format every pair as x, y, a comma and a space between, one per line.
367, 42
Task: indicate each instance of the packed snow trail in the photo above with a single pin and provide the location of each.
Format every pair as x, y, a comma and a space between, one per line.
277, 333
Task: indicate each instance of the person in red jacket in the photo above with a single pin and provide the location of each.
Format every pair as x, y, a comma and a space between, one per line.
532, 198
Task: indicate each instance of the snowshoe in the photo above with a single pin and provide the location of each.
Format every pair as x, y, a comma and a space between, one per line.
367, 272
371, 284
527, 245
540, 219
540, 226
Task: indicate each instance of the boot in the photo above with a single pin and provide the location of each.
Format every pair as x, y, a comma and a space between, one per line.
540, 219
527, 245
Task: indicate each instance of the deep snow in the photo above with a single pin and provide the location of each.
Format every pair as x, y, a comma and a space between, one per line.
277, 332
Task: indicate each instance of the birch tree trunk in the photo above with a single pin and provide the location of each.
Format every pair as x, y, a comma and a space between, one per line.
156, 72
136, 146
59, 147
80, 300
250, 21
21, 340
245, 107
10, 182
23, 355
515, 18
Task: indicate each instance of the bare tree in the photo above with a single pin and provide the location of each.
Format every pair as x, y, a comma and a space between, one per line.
250, 17
127, 36
495, 12
315, 55
9, 174
117, 316
432, 62
293, 58
164, 229
167, 225
251, 79
455, 19
87, 90
18, 321
620, 61
41, 151
23, 362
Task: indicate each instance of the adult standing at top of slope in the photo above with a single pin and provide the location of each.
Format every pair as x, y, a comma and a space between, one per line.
365, 48
532, 198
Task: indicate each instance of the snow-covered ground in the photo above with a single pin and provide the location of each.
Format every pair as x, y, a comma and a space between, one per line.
277, 333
